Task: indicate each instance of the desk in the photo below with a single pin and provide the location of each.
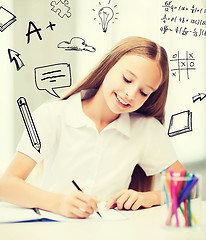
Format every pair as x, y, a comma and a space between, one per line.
142, 224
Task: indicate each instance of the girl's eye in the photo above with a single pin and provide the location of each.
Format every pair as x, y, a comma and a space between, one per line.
126, 80
143, 93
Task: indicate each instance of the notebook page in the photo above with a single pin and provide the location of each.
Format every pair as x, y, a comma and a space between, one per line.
12, 213
110, 215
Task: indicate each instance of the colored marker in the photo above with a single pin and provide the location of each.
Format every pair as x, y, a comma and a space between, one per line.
174, 199
190, 184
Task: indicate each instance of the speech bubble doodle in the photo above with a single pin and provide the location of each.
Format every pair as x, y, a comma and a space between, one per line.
53, 76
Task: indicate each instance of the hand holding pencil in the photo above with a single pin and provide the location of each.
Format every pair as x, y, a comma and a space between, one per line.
78, 188
77, 205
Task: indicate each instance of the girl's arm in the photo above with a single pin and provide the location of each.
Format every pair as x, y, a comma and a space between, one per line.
14, 189
130, 199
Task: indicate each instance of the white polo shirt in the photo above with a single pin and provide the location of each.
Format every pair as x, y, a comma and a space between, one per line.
101, 163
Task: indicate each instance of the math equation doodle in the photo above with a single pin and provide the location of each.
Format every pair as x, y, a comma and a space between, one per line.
185, 20
106, 15
182, 64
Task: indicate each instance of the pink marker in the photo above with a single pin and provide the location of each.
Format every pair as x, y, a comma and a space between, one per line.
174, 199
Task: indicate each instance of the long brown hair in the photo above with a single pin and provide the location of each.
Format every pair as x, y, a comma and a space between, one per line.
155, 104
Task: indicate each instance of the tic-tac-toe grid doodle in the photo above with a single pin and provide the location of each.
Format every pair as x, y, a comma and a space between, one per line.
182, 64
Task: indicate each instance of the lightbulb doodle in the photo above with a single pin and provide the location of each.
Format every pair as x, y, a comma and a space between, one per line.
106, 15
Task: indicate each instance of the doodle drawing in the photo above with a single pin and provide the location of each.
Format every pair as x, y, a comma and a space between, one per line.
6, 18
182, 64
106, 14
199, 96
61, 8
76, 44
29, 123
180, 123
15, 56
52, 77
31, 31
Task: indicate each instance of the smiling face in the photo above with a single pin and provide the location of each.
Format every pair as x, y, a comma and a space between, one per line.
129, 83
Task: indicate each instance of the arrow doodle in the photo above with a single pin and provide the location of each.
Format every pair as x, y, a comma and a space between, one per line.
14, 56
199, 96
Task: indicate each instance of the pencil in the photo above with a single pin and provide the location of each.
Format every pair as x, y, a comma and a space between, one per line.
36, 210
29, 123
78, 188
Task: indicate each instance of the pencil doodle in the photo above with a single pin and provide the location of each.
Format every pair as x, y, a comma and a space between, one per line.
199, 96
106, 14
6, 18
29, 123
186, 63
61, 8
53, 76
15, 56
76, 44
180, 123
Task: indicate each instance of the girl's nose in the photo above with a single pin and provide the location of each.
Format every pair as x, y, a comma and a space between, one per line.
130, 93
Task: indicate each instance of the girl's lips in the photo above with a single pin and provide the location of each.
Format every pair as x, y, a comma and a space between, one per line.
121, 102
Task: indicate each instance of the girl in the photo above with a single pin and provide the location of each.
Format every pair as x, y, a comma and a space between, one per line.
96, 135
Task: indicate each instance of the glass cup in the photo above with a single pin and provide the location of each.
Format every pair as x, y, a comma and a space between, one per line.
181, 200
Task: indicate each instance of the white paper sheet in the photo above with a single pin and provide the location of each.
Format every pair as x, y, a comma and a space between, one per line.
12, 213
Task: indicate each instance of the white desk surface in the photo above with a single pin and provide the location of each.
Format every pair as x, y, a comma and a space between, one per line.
141, 224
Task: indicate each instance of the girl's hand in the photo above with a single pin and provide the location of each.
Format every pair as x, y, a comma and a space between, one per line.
130, 199
78, 205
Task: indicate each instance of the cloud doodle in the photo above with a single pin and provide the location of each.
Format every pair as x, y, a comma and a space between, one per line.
76, 44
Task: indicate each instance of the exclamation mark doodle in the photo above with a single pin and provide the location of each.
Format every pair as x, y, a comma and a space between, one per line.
29, 123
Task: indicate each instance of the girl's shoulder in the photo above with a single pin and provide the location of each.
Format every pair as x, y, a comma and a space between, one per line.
57, 107
140, 121
140, 118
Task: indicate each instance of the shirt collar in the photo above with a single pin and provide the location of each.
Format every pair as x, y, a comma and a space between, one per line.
78, 118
